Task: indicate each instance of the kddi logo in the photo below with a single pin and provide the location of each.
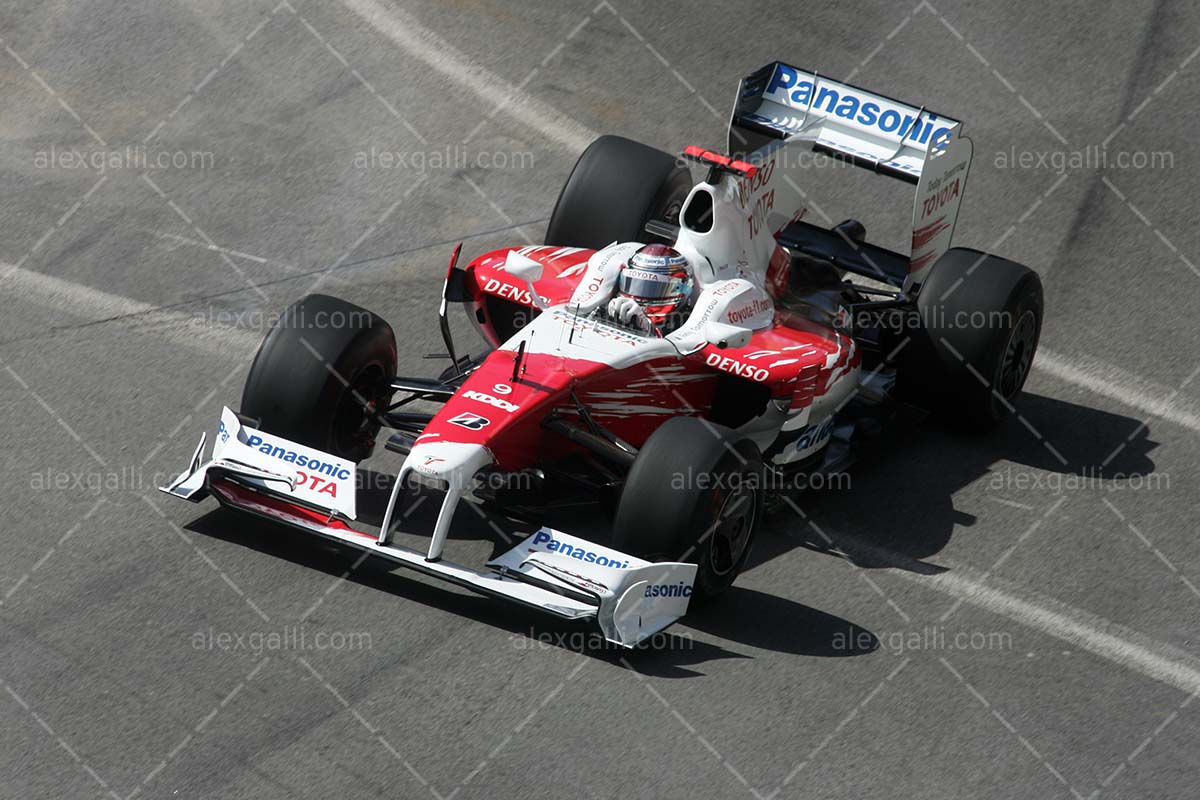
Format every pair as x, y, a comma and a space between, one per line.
494, 402
736, 367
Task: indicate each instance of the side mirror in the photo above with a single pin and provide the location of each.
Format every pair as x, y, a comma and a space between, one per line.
725, 336
526, 269
523, 267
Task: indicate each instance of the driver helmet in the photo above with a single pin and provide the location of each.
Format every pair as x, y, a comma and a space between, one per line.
658, 279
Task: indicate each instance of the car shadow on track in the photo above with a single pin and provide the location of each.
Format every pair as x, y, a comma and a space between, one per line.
737, 618
895, 509
669, 654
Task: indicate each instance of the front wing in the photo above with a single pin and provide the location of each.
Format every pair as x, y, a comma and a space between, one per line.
551, 571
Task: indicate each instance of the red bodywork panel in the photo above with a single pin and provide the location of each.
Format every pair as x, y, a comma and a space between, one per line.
796, 358
563, 269
651, 393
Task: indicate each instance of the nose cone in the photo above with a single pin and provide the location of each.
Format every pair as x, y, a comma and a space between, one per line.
453, 463
493, 411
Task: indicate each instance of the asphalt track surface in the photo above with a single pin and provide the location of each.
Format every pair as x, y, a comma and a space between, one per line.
1014, 616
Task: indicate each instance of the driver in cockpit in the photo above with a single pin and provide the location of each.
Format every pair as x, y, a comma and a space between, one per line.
654, 290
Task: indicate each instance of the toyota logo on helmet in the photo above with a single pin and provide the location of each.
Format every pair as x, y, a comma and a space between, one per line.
658, 278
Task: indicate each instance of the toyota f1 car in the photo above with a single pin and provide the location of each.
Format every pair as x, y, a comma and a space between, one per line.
781, 365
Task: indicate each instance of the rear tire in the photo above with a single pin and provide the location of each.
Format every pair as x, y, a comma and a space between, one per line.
695, 494
616, 187
322, 376
981, 319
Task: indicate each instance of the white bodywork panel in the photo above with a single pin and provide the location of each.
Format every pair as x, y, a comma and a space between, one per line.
600, 278
737, 303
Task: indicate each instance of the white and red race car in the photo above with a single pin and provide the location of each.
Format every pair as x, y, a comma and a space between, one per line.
781, 364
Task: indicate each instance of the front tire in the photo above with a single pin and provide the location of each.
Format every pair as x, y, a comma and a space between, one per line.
322, 376
695, 494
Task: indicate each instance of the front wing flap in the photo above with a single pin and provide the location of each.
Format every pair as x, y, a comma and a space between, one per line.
636, 598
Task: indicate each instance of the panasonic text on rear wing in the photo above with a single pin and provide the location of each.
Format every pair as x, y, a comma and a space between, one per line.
869, 129
781, 105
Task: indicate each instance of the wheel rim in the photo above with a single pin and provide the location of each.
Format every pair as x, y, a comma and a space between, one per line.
1018, 356
731, 530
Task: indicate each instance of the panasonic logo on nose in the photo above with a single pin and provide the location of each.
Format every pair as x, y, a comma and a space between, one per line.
566, 548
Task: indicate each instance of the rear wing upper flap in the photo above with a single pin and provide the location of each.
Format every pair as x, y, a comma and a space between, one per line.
869, 129
890, 137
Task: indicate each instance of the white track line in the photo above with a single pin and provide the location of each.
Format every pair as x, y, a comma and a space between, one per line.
51, 292
1124, 387
430, 48
79, 300
1108, 640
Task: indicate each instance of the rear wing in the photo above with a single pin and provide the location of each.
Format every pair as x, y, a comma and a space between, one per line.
914, 144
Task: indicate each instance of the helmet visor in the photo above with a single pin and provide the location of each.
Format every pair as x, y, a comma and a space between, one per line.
644, 285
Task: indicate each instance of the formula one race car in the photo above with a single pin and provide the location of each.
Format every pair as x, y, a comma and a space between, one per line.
773, 364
